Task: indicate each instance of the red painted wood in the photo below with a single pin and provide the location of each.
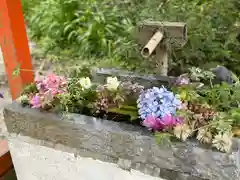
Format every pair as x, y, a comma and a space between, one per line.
6, 164
14, 44
5, 158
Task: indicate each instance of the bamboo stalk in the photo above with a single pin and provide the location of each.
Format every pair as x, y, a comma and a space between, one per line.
152, 44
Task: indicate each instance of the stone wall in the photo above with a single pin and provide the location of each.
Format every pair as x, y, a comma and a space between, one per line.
81, 144
34, 161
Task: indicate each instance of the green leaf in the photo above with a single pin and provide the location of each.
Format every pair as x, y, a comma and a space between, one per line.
30, 88
16, 71
127, 110
162, 137
127, 107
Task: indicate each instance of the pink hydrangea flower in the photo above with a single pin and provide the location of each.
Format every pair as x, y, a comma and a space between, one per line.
153, 123
170, 121
48, 88
158, 124
52, 82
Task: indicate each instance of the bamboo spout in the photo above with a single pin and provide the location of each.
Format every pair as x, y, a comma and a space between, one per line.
152, 44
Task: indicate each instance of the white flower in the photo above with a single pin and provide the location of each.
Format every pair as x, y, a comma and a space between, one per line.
223, 142
204, 136
85, 82
182, 131
23, 99
112, 83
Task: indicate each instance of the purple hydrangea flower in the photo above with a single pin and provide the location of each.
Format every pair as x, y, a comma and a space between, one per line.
157, 102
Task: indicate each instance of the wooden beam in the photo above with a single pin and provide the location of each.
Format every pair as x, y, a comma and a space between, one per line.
14, 45
5, 158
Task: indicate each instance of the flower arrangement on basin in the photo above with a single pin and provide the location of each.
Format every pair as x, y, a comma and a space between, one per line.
187, 109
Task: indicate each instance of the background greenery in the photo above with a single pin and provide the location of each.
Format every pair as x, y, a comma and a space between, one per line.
102, 31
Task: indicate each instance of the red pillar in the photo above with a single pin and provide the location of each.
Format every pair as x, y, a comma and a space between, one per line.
14, 44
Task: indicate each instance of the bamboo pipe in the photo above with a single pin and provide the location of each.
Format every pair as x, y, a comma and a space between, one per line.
152, 44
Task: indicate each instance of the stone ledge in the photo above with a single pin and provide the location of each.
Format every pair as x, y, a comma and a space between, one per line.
128, 146
148, 81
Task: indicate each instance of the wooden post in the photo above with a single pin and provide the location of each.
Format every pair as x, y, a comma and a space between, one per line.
14, 46
156, 36
162, 60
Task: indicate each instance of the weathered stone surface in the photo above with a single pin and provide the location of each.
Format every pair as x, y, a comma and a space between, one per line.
222, 74
128, 146
36, 162
99, 75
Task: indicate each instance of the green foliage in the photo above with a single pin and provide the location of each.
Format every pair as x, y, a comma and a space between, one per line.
212, 111
83, 71
223, 96
131, 111
77, 99
235, 115
16, 71
212, 29
88, 28
31, 88
163, 138
75, 102
28, 6
222, 123
198, 74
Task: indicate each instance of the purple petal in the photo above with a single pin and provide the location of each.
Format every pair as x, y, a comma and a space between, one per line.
36, 102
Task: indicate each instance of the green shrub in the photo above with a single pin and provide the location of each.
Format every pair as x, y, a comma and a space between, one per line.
102, 28
28, 6
212, 29
91, 27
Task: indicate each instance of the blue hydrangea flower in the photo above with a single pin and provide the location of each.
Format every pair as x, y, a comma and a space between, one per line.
157, 102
